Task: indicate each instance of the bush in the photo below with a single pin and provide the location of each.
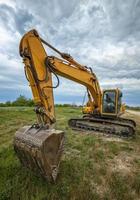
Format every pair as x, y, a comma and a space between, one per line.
20, 101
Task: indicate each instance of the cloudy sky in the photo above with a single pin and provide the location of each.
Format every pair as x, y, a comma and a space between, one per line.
102, 34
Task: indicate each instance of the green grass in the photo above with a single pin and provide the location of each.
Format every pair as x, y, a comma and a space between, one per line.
92, 166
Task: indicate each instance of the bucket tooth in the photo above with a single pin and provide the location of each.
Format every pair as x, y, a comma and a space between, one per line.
40, 150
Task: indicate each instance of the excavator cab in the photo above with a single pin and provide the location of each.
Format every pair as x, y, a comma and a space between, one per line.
111, 102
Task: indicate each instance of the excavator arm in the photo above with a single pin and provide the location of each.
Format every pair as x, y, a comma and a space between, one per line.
39, 77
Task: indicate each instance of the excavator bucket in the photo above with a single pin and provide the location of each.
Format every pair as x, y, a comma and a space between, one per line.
40, 150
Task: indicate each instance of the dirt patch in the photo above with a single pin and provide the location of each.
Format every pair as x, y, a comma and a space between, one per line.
122, 163
134, 112
113, 139
134, 115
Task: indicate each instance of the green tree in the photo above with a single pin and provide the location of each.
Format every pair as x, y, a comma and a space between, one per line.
30, 102
21, 101
8, 103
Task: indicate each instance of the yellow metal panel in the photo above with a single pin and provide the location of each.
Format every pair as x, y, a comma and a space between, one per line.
40, 78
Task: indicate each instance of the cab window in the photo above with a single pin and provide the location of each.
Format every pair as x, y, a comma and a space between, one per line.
109, 103
119, 101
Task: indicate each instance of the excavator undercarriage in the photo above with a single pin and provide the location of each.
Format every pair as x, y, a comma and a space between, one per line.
120, 126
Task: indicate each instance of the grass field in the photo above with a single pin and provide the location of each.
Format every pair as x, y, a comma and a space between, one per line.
92, 167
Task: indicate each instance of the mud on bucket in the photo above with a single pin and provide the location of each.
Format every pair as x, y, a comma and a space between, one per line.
40, 150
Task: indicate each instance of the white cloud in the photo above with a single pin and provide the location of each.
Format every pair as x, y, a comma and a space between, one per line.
101, 34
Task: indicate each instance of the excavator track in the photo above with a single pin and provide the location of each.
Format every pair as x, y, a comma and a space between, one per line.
119, 119
121, 127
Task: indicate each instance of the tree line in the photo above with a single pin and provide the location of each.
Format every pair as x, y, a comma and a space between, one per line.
20, 101
23, 101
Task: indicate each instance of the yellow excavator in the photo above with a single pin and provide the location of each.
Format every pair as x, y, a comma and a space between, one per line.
40, 146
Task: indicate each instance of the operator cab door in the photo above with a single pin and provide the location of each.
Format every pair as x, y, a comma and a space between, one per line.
109, 103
